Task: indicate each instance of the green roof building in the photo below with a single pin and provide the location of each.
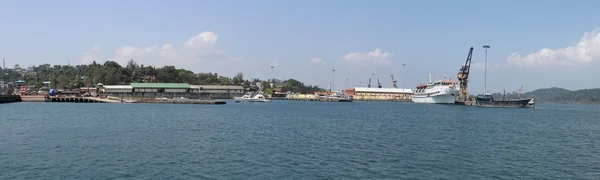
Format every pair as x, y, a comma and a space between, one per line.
161, 87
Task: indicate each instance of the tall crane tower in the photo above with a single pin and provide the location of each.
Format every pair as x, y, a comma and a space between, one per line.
378, 83
463, 77
394, 82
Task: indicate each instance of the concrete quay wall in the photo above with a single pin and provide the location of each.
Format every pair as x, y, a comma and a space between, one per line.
9, 98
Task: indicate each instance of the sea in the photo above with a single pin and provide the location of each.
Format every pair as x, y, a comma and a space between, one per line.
297, 140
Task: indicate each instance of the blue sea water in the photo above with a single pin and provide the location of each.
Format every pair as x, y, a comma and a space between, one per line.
297, 140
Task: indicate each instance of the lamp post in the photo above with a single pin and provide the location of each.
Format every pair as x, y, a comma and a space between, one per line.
486, 47
346, 83
332, 80
403, 65
272, 76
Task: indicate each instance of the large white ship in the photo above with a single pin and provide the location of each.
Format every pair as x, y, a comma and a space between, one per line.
443, 91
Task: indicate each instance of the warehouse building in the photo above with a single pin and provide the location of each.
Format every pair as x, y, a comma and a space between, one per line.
173, 90
383, 94
117, 90
218, 91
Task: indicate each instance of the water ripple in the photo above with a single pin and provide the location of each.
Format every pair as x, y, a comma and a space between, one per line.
297, 140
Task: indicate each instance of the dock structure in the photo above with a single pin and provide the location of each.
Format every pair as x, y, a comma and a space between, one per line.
82, 100
465, 103
9, 98
360, 97
183, 102
303, 99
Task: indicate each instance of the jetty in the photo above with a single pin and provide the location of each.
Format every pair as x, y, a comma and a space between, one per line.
9, 98
82, 100
180, 101
306, 99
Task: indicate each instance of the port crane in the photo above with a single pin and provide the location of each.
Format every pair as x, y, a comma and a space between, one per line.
369, 86
378, 83
394, 82
463, 78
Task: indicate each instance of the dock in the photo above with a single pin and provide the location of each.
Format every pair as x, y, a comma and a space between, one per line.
182, 101
465, 103
9, 98
81, 100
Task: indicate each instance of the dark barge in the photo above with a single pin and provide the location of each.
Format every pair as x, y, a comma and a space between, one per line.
486, 100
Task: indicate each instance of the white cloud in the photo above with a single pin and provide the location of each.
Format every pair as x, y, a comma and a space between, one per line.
93, 54
317, 61
199, 49
585, 51
376, 57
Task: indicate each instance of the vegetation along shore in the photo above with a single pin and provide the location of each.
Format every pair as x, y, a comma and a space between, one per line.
111, 73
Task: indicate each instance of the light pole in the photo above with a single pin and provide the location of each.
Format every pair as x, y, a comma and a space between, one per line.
332, 80
272, 77
486, 47
346, 83
403, 65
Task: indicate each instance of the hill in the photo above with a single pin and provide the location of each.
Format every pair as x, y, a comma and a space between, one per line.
558, 95
112, 73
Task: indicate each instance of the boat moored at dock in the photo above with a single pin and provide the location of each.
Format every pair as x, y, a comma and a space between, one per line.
487, 100
257, 96
443, 91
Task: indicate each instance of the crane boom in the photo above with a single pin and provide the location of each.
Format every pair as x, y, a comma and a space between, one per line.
394, 82
369, 86
378, 83
463, 77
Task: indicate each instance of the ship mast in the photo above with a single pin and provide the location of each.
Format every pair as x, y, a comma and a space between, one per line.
429, 77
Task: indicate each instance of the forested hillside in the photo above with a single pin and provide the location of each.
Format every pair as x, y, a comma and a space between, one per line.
111, 73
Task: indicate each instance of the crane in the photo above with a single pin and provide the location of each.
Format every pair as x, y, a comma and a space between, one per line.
378, 83
394, 82
463, 77
369, 86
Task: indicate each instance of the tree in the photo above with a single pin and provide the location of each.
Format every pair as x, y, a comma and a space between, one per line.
111, 73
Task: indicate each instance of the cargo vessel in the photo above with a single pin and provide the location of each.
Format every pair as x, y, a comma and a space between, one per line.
487, 100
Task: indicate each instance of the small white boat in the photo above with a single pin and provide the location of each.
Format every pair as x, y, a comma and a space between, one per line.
250, 97
129, 101
258, 96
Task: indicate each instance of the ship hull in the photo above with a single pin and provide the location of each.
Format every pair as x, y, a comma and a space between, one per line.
439, 99
521, 103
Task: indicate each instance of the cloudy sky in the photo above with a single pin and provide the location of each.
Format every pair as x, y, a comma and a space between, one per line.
534, 44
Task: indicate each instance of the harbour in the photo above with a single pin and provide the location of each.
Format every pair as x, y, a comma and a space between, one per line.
445, 90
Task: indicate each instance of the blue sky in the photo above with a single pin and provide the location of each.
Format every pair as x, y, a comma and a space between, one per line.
306, 39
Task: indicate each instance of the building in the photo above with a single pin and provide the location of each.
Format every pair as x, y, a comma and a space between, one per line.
173, 90
91, 90
217, 91
117, 90
161, 87
390, 94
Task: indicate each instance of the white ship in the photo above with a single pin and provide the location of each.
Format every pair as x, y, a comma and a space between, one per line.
443, 91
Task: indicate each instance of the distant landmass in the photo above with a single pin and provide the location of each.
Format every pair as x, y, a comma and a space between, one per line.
557, 95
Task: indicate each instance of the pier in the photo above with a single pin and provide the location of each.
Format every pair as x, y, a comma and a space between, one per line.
81, 100
465, 103
183, 102
9, 98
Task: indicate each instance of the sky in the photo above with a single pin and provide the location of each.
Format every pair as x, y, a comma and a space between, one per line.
534, 44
